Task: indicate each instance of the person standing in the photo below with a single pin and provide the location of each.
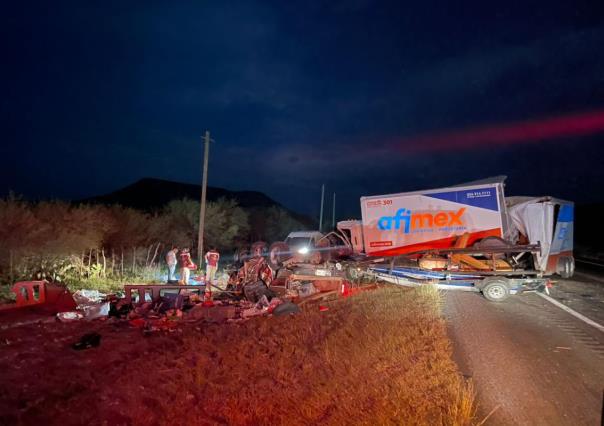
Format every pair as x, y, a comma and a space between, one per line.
171, 261
186, 264
211, 258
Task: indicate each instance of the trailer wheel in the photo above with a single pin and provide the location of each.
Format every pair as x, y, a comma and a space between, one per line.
496, 290
566, 267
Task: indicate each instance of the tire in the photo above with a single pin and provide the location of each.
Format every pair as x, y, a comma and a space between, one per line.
496, 290
277, 254
566, 267
262, 246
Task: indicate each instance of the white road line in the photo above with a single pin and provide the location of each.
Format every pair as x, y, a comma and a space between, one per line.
589, 262
572, 312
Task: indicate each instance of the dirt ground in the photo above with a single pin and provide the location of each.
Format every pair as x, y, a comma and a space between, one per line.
376, 358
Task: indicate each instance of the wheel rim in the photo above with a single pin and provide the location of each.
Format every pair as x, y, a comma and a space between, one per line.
496, 292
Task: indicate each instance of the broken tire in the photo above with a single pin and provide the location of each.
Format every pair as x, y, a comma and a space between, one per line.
277, 254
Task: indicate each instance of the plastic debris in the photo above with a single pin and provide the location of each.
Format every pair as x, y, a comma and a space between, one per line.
274, 303
252, 312
307, 289
262, 302
138, 322
90, 340
96, 311
286, 308
69, 316
86, 297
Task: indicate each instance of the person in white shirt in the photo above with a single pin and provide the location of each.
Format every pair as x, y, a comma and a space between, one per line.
172, 261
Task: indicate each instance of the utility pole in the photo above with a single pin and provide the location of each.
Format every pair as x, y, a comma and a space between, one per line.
333, 212
204, 183
321, 214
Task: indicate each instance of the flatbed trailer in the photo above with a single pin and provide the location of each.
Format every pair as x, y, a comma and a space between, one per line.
495, 284
495, 288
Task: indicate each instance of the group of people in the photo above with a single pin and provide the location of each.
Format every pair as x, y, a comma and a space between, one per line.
182, 258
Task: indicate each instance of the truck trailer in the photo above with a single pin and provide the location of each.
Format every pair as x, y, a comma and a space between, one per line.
422, 222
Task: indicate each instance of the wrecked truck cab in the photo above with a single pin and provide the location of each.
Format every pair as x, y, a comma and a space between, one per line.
303, 242
299, 246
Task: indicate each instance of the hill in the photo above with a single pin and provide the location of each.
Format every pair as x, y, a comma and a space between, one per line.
150, 194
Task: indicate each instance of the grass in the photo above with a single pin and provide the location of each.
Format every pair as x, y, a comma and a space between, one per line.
381, 357
109, 284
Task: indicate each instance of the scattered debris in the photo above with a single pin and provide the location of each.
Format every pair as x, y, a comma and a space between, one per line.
90, 340
88, 297
286, 308
69, 316
306, 289
40, 296
100, 310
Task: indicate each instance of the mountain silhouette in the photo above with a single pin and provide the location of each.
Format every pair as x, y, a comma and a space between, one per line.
150, 194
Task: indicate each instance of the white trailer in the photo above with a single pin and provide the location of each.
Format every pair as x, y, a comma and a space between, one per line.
421, 221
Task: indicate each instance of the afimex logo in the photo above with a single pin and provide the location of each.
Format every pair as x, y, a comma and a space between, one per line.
415, 221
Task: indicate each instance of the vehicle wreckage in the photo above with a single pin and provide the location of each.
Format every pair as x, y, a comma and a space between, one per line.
468, 237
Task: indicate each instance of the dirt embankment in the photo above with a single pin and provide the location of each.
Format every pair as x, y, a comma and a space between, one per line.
378, 357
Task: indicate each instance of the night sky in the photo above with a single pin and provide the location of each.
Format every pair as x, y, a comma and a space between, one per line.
367, 97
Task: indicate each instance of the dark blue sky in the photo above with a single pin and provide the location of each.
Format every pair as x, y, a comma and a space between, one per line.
96, 95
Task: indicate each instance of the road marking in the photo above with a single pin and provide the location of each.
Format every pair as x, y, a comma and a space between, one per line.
572, 312
589, 262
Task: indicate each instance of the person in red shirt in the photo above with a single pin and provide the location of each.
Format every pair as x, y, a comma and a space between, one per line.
186, 264
211, 258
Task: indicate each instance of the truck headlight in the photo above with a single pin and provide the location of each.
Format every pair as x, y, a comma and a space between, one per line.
303, 250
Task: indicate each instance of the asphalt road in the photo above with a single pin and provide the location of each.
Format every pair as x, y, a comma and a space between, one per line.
531, 362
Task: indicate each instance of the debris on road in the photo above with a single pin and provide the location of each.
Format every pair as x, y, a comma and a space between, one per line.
69, 316
90, 340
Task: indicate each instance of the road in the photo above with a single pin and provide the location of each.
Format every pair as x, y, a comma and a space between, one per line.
531, 362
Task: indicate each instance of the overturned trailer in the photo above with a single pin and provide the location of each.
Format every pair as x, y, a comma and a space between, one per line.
466, 237
473, 215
